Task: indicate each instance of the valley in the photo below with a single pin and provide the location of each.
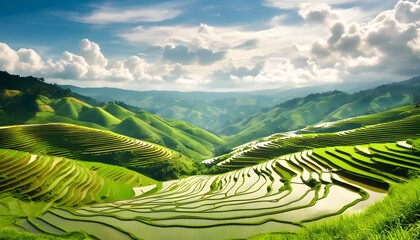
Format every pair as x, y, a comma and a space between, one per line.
73, 167
210, 120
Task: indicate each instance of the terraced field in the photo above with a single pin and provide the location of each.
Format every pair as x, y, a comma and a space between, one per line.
362, 121
278, 144
67, 140
63, 182
281, 194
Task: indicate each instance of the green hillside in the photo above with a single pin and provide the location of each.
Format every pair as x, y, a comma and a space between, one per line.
212, 111
118, 111
88, 144
315, 108
278, 144
99, 116
365, 120
283, 194
69, 107
50, 180
27, 106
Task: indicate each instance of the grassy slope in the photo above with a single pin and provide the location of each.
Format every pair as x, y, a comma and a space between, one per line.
118, 111
366, 120
177, 135
276, 145
187, 139
395, 217
62, 182
180, 136
48, 180
31, 100
331, 106
13, 234
99, 116
90, 144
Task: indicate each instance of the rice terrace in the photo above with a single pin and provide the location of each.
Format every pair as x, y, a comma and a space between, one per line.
192, 120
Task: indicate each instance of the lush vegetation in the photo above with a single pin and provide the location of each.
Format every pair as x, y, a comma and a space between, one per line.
75, 168
395, 217
277, 195
31, 184
242, 117
314, 108
50, 180
30, 100
89, 144
278, 144
213, 111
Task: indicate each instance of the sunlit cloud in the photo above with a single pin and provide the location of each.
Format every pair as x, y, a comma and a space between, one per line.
105, 14
295, 4
330, 45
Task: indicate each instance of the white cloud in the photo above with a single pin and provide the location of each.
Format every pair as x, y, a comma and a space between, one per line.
406, 11
386, 45
92, 53
295, 4
106, 14
317, 13
8, 57
90, 65
336, 48
70, 66
29, 60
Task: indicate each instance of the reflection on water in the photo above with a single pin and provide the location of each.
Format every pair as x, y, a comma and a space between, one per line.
278, 195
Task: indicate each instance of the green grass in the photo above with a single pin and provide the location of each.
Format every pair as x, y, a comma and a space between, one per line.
366, 120
99, 116
277, 145
118, 111
7, 93
395, 217
95, 145
13, 234
290, 192
185, 138
45, 180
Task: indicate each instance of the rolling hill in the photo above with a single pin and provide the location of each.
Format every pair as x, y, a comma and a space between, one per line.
322, 107
88, 144
395, 125
281, 182
20, 105
58, 181
213, 111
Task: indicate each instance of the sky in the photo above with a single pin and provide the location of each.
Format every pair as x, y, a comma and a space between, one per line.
218, 45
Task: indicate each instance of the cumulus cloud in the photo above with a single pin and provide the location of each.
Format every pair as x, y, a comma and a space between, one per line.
407, 12
317, 13
91, 52
70, 66
329, 47
8, 57
88, 65
388, 44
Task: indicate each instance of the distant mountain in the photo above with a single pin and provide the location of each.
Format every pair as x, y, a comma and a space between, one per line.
213, 111
322, 107
38, 102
